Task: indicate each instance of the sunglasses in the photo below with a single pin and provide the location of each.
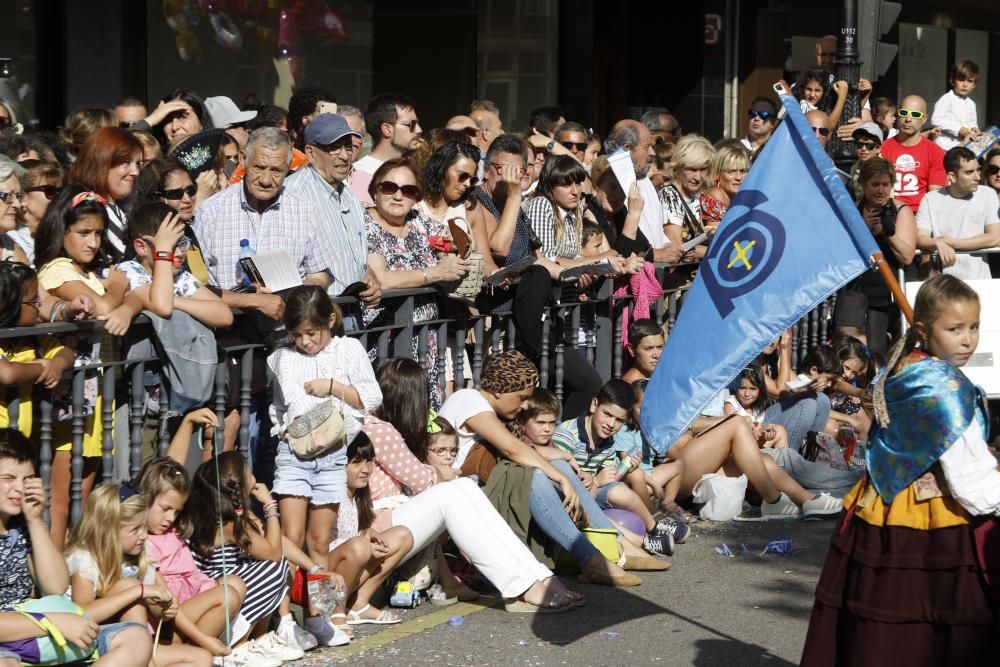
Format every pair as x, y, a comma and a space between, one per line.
4, 122
182, 245
992, 169
463, 177
822, 131
908, 113
178, 193
470, 131
412, 125
570, 145
763, 115
389, 188
867, 145
9, 197
50, 191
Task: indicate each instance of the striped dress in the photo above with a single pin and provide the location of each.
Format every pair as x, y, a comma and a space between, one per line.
266, 580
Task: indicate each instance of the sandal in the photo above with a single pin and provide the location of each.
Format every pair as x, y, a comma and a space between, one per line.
343, 627
384, 617
555, 602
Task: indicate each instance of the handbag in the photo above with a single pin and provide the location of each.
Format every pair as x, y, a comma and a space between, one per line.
468, 288
481, 461
318, 430
51, 648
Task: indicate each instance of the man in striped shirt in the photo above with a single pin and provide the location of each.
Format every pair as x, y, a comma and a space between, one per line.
330, 147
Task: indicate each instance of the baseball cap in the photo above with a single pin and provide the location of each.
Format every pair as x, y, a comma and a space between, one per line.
224, 112
869, 128
326, 129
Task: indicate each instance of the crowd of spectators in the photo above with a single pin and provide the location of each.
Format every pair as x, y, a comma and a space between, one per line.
130, 211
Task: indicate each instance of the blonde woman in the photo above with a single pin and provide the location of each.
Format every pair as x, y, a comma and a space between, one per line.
729, 168
689, 167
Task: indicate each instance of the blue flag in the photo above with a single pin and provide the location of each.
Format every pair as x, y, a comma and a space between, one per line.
791, 238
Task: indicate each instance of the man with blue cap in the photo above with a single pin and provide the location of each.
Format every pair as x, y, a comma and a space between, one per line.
329, 147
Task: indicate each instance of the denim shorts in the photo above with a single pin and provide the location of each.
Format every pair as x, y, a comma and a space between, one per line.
108, 632
602, 494
323, 479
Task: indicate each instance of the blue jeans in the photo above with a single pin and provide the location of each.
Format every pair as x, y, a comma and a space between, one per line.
799, 414
548, 512
814, 476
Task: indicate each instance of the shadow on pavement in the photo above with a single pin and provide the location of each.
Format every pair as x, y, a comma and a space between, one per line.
716, 652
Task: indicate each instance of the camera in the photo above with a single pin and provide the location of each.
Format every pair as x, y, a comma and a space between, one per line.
887, 218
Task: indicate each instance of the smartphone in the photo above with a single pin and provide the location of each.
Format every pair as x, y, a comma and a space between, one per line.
327, 107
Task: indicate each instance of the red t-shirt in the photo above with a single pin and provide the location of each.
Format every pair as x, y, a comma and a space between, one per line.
917, 167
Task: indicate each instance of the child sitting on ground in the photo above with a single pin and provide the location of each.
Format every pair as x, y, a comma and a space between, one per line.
749, 399
645, 345
590, 438
31, 562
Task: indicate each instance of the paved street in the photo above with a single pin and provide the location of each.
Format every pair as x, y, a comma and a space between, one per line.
707, 610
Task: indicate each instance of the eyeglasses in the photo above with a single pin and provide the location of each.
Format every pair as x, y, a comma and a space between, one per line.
574, 144
8, 197
442, 451
909, 113
756, 113
463, 177
471, 131
330, 149
50, 191
389, 188
822, 131
992, 169
178, 193
867, 145
183, 245
411, 125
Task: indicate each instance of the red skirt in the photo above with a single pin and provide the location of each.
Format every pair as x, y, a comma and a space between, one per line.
901, 596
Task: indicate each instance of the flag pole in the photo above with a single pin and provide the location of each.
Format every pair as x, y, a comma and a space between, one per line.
885, 269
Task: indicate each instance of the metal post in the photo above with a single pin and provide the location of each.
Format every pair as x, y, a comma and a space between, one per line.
849, 70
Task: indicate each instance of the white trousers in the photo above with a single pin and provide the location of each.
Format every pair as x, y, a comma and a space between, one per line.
460, 507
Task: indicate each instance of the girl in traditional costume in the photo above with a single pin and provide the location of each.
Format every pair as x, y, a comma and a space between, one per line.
907, 577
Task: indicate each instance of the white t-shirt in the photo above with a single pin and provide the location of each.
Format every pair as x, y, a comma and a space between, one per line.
944, 215
82, 563
651, 222
757, 416
461, 406
368, 164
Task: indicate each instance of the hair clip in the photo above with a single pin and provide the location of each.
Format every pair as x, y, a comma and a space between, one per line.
432, 425
88, 196
125, 492
238, 510
864, 350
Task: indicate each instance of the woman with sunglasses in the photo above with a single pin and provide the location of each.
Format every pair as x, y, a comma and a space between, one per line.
991, 169
11, 205
165, 180
400, 254
41, 182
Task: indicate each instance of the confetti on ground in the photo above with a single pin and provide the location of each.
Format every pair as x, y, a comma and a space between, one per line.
610, 634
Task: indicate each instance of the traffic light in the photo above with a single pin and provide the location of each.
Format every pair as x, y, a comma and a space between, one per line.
875, 19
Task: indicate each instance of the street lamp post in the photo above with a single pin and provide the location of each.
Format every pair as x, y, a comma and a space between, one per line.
848, 69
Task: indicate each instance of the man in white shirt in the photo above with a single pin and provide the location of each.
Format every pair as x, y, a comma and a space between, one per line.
763, 118
636, 138
962, 216
392, 121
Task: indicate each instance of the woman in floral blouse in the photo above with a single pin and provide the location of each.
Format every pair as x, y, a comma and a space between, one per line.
729, 168
400, 254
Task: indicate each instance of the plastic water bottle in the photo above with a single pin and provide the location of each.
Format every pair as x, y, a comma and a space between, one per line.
323, 596
847, 438
624, 466
246, 250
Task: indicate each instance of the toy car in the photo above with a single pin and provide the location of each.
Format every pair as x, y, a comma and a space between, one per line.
404, 596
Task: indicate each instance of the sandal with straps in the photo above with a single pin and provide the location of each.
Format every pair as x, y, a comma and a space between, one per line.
554, 603
343, 627
384, 617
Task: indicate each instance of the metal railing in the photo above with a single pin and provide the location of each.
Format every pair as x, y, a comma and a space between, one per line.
593, 328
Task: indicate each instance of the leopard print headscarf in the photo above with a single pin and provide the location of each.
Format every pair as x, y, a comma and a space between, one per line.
508, 372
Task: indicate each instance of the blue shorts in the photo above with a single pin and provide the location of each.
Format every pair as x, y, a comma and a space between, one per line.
323, 480
602, 494
105, 635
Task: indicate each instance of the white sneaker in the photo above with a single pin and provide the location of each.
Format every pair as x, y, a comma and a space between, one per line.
275, 647
248, 655
238, 630
782, 508
822, 505
325, 632
290, 633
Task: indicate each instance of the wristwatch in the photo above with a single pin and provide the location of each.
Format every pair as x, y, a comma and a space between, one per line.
163, 255
549, 146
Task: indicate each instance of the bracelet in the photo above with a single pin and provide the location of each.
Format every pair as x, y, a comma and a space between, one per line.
315, 568
273, 503
272, 513
57, 308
